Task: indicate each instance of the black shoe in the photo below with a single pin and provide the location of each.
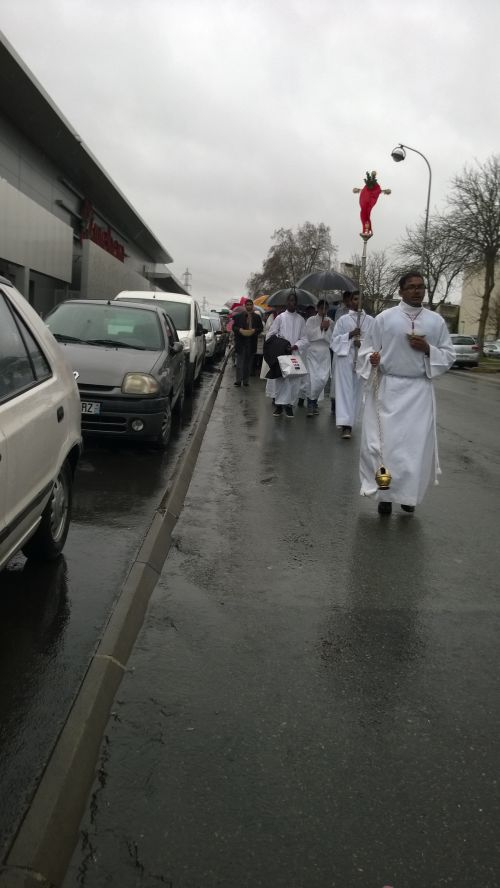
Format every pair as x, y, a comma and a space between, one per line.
289, 411
346, 432
300, 403
384, 508
407, 508
278, 410
237, 383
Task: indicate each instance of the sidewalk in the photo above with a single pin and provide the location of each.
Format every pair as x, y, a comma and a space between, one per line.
293, 715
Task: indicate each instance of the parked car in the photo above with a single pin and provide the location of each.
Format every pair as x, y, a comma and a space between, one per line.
210, 341
466, 350
40, 435
492, 349
186, 316
129, 366
221, 337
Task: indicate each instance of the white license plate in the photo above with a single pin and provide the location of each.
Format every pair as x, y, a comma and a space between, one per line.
91, 407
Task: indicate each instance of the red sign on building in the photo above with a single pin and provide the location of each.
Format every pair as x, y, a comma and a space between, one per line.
100, 236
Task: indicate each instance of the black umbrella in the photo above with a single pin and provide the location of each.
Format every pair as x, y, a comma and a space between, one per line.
281, 297
328, 280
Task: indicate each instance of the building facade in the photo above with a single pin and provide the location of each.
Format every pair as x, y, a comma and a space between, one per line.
472, 297
65, 228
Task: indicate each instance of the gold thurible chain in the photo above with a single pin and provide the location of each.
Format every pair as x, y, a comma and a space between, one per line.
377, 408
382, 476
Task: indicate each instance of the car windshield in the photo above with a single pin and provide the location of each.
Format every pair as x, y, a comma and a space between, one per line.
121, 326
179, 312
207, 324
216, 325
463, 340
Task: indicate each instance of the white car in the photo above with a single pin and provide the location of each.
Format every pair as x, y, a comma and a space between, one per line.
466, 350
40, 437
185, 313
492, 349
210, 340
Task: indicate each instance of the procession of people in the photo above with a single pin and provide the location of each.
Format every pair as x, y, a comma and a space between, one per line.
380, 372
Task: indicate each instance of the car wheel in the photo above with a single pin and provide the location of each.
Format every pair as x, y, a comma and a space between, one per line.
189, 380
48, 540
179, 404
166, 428
197, 379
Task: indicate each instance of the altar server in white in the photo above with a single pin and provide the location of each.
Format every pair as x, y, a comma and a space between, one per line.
348, 335
291, 326
409, 346
318, 357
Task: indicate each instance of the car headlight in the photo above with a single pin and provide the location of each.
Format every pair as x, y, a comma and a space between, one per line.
140, 384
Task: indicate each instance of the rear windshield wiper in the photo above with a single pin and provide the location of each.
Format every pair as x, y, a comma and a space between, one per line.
115, 343
62, 337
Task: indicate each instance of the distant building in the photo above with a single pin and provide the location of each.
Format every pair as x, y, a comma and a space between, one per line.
65, 228
472, 296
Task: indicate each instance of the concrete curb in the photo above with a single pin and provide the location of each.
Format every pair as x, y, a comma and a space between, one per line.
42, 849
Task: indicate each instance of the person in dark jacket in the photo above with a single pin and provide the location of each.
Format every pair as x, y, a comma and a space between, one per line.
247, 325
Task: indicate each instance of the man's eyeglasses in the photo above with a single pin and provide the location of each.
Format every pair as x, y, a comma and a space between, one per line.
414, 288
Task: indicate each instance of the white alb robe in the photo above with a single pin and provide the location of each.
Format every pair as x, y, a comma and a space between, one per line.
291, 326
348, 385
406, 403
317, 357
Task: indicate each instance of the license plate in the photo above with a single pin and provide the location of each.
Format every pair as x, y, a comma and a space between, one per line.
91, 407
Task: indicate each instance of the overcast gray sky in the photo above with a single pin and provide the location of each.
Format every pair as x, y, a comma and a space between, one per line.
222, 120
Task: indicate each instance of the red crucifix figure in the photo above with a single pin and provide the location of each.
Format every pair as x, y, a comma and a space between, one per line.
368, 197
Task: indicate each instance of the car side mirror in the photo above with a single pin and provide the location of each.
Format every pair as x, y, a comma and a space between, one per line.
206, 330
177, 348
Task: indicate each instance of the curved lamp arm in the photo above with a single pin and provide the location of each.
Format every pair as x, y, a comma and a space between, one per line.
426, 225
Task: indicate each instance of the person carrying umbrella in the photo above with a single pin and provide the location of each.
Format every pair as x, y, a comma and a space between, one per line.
291, 326
247, 325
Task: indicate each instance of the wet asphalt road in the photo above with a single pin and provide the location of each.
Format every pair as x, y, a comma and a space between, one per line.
314, 698
52, 616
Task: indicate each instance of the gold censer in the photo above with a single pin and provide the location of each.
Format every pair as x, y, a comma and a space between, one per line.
383, 478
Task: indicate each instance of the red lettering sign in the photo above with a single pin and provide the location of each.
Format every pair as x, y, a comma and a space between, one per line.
103, 238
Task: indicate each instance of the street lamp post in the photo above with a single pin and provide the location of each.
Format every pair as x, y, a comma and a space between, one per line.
398, 154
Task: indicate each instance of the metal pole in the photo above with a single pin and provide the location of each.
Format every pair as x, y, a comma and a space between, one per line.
426, 224
362, 275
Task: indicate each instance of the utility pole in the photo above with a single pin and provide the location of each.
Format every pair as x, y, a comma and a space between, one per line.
187, 279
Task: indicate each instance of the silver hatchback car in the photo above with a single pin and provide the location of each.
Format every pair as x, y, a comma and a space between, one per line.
466, 350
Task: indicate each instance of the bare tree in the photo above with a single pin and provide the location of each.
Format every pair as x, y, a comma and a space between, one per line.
293, 255
380, 281
474, 224
494, 316
444, 258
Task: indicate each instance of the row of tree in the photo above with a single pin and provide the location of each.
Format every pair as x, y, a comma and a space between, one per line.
464, 236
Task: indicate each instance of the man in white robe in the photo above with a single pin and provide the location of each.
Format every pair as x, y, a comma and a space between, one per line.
317, 357
409, 346
347, 337
292, 327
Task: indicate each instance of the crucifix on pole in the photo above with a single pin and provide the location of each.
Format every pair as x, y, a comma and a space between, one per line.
368, 197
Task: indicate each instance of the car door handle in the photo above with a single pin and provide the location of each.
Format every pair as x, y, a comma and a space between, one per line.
60, 414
